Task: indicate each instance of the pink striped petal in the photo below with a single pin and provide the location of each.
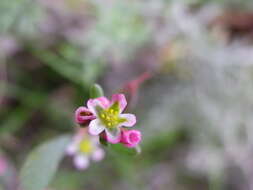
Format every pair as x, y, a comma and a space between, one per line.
102, 102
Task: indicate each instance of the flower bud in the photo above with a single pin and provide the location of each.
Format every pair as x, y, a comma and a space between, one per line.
83, 116
130, 138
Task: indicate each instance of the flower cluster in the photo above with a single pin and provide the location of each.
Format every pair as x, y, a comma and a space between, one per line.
105, 118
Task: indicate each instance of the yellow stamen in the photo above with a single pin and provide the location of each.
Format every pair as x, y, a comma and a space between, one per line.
85, 146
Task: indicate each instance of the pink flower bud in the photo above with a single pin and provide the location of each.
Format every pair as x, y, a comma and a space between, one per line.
130, 138
83, 115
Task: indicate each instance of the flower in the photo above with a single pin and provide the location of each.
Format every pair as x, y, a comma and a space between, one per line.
109, 117
85, 148
83, 116
130, 138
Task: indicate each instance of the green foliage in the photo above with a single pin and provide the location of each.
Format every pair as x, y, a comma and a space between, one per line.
69, 63
30, 100
42, 163
119, 30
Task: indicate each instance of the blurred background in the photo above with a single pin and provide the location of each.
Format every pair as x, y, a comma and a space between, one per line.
185, 66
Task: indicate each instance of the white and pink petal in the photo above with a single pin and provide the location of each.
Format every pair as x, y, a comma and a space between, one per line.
96, 127
130, 119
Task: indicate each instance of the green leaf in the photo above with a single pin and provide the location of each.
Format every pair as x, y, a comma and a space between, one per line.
42, 163
96, 91
119, 148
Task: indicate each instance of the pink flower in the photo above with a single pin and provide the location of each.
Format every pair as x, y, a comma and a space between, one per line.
109, 117
130, 138
85, 148
83, 116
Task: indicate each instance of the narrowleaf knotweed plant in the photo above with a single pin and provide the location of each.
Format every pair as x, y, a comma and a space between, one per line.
102, 122
102, 119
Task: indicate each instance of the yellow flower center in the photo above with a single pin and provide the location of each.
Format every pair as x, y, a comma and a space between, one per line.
110, 117
85, 146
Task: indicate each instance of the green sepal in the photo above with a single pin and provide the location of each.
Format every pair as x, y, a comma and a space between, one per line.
103, 141
83, 125
96, 91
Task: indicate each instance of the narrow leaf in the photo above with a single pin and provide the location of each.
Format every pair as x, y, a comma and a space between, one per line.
42, 163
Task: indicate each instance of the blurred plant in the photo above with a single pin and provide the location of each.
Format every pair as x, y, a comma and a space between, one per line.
118, 31
16, 19
210, 101
132, 87
3, 166
8, 176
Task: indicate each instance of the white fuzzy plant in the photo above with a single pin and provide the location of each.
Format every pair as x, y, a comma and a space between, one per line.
216, 103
